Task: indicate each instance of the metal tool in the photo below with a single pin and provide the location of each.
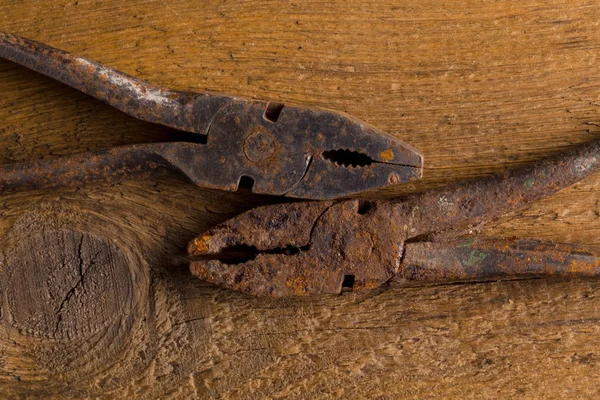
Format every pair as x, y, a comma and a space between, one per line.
308, 248
268, 147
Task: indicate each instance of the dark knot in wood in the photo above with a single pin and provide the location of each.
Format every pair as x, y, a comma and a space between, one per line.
66, 284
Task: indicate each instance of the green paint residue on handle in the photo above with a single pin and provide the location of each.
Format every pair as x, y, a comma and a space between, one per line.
468, 242
529, 182
474, 258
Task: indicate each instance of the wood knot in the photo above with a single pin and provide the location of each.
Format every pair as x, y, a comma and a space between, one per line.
65, 285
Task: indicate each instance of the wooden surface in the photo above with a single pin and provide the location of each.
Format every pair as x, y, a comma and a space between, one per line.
95, 302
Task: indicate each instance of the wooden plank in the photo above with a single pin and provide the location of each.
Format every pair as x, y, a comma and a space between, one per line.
475, 85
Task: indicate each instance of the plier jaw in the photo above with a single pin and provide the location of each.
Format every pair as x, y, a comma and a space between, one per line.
299, 152
302, 248
347, 156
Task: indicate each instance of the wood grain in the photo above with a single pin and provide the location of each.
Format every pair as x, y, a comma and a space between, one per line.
96, 302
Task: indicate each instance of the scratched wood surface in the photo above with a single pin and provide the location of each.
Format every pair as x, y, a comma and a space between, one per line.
95, 302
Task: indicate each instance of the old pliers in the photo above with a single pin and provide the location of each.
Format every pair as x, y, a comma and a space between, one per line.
321, 247
274, 149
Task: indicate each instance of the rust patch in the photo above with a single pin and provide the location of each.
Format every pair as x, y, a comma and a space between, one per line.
297, 285
199, 245
387, 155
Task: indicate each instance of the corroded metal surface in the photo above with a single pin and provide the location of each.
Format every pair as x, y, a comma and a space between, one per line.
482, 258
309, 248
299, 249
274, 149
191, 112
477, 201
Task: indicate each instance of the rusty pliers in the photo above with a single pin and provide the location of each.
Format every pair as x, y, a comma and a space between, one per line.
323, 247
266, 146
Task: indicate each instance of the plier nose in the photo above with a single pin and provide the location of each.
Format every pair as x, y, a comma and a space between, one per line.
268, 147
